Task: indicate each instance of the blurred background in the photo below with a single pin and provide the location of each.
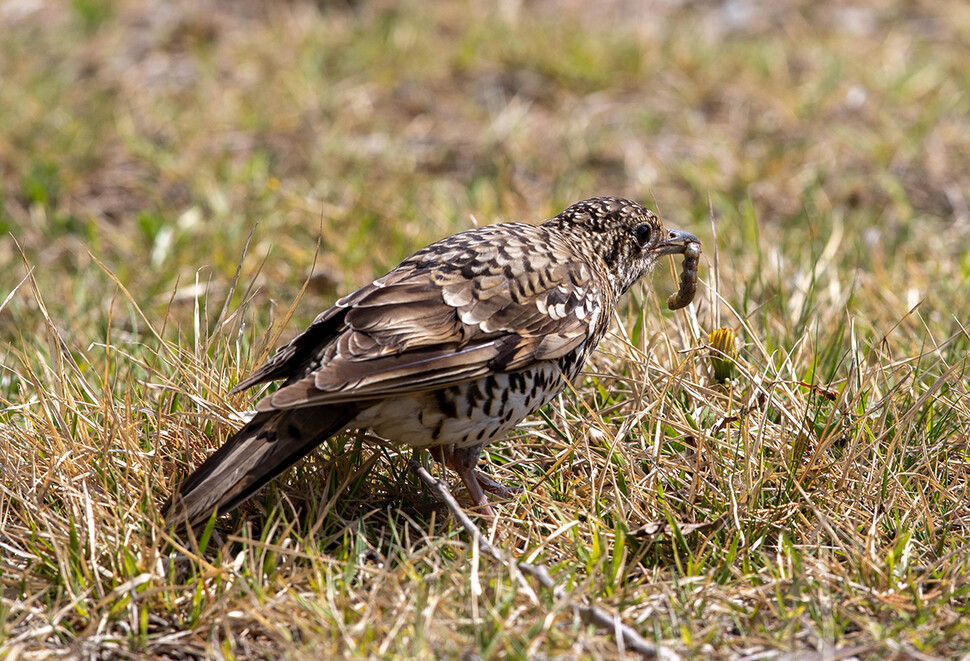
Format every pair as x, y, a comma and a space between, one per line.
156, 136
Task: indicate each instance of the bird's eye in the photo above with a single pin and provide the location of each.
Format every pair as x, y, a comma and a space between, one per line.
643, 234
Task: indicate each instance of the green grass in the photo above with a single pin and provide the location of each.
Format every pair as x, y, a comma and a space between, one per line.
821, 153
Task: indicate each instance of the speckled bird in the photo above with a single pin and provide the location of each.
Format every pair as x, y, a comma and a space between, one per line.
448, 351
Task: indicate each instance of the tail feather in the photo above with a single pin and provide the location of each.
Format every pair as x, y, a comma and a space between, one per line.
271, 442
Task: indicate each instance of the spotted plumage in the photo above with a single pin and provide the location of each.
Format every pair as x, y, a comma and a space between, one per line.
448, 351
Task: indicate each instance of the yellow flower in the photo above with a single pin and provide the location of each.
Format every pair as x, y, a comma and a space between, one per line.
724, 350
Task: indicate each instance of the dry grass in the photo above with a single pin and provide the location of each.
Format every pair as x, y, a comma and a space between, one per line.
817, 502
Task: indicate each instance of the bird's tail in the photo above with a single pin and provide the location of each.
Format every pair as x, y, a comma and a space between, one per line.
271, 442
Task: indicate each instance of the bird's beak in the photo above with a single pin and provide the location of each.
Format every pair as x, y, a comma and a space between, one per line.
676, 242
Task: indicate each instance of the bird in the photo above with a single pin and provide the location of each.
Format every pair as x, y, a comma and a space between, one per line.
448, 351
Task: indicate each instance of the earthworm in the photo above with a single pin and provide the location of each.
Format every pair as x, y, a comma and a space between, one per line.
688, 278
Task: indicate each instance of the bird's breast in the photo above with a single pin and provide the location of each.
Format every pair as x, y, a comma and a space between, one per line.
467, 413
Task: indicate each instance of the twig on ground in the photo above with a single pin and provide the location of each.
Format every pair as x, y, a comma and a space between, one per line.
626, 636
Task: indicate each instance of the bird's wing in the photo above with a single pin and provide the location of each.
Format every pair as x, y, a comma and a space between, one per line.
456, 311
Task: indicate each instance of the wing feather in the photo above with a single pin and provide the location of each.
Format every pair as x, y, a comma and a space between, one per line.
453, 312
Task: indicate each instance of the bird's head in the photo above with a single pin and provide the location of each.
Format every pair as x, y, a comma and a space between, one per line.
629, 238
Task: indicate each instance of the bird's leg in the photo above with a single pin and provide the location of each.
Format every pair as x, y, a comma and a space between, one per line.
446, 456
469, 479
467, 457
499, 489
437, 453
463, 462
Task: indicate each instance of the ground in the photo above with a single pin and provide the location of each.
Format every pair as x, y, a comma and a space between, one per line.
186, 185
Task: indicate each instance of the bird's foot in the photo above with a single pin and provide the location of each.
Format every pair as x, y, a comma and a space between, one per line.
499, 489
463, 462
470, 478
